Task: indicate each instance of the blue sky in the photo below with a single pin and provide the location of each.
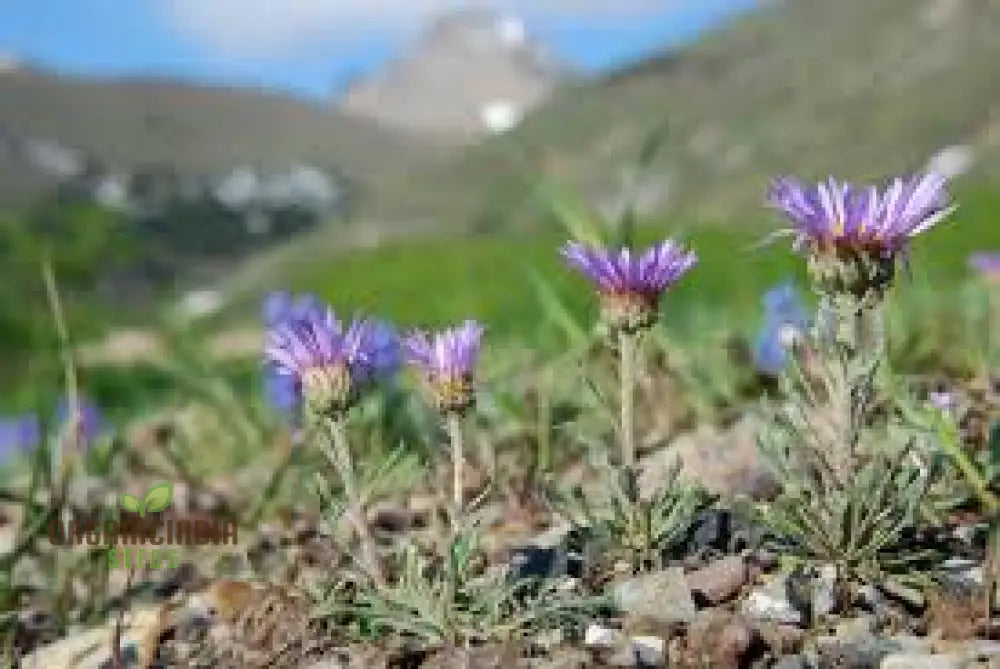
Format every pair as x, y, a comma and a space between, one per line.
308, 47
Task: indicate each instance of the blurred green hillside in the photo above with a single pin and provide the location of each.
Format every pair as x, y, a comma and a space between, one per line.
495, 277
859, 88
862, 89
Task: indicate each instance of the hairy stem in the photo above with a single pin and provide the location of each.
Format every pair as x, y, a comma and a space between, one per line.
951, 443
453, 421
70, 440
627, 350
340, 457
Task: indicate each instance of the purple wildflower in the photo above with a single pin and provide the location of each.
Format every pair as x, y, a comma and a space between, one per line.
630, 286
854, 234
91, 424
447, 361
785, 323
942, 399
19, 434
282, 391
835, 214
986, 263
332, 363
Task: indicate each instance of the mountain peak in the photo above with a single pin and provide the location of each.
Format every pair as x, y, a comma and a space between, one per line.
473, 71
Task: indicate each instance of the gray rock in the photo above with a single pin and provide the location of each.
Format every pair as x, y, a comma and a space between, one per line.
326, 663
554, 537
903, 593
824, 595
770, 602
920, 661
719, 581
963, 572
854, 629
548, 640
598, 636
911, 644
651, 651
725, 463
983, 649
863, 650
623, 658
565, 658
791, 662
663, 596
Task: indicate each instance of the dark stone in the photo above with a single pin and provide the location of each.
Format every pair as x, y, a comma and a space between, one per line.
799, 590
535, 562
173, 580
711, 530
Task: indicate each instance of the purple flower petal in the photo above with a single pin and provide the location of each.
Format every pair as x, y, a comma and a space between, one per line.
843, 214
450, 353
311, 336
619, 272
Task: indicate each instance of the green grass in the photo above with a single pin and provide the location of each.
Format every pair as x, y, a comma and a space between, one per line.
442, 280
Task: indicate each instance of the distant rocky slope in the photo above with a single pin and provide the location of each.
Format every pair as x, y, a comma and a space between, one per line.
55, 127
473, 72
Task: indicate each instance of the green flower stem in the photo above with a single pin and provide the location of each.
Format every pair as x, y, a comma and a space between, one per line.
992, 322
453, 421
340, 457
627, 348
952, 444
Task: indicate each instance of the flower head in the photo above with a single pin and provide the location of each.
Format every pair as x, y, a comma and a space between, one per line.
283, 392
785, 324
942, 399
630, 286
90, 423
986, 263
447, 361
18, 434
331, 363
855, 233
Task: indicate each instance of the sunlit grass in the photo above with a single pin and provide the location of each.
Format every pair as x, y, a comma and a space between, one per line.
437, 281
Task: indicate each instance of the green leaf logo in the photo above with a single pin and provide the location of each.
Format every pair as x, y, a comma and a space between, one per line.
130, 503
156, 499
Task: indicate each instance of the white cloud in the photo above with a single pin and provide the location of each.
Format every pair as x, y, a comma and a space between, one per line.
268, 28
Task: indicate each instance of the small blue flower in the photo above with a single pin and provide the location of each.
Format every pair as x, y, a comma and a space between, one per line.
282, 392
19, 434
785, 321
91, 424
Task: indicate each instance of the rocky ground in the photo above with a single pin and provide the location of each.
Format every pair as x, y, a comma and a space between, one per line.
724, 599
